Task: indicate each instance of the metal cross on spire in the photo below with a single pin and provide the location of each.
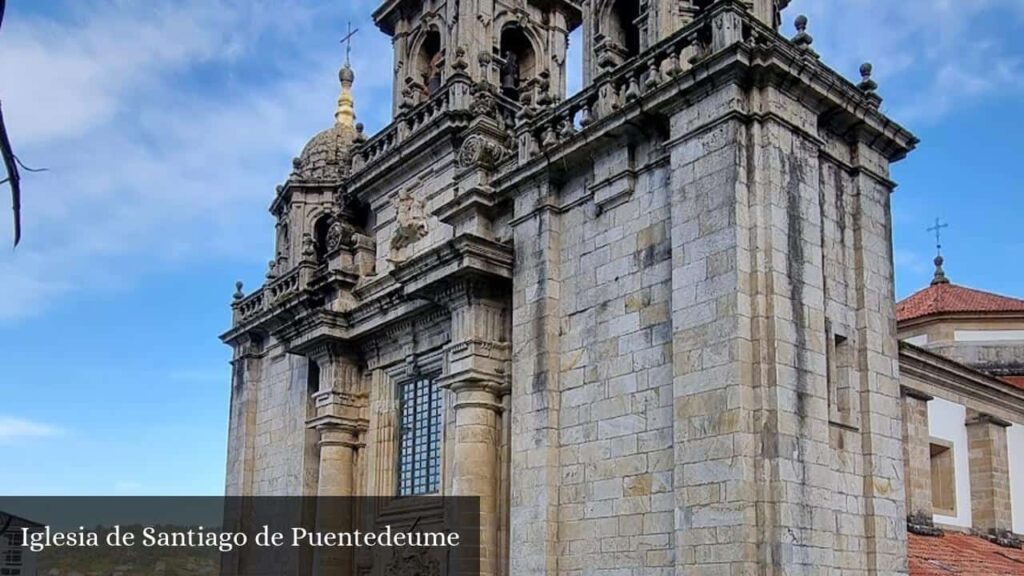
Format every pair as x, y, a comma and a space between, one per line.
937, 228
940, 274
347, 41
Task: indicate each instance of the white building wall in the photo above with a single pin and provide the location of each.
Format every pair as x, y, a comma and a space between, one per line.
1015, 446
946, 421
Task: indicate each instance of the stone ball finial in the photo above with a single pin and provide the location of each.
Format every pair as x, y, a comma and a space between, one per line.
346, 75
238, 295
866, 83
802, 40
940, 274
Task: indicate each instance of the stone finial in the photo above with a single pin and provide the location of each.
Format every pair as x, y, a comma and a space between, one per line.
460, 64
272, 269
802, 40
868, 86
940, 274
308, 250
238, 295
344, 114
866, 83
360, 135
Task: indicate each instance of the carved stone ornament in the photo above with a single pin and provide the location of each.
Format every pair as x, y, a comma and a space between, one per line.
480, 151
413, 562
483, 103
410, 227
339, 234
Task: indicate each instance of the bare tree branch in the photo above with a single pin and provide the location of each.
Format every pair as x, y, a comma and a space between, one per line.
11, 165
11, 161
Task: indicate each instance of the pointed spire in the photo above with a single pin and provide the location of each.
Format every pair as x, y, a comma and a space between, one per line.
940, 274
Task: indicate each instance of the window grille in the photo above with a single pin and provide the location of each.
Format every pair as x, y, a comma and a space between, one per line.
419, 453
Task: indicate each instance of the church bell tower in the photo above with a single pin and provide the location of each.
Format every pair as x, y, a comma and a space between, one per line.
517, 45
615, 31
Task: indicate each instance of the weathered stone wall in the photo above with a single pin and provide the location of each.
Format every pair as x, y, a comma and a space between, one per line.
696, 322
615, 417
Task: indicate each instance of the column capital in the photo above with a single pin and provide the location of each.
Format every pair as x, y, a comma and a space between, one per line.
974, 417
915, 394
336, 431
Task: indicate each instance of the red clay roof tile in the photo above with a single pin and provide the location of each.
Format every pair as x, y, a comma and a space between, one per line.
1017, 381
956, 554
950, 298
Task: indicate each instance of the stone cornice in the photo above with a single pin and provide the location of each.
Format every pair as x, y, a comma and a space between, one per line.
943, 374
959, 317
465, 256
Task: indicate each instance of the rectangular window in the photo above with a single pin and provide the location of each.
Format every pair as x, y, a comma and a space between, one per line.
943, 478
419, 452
12, 558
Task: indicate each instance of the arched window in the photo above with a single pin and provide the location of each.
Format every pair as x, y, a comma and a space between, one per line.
618, 37
430, 61
519, 61
320, 229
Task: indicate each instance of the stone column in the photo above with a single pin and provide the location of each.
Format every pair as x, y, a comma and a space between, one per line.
990, 473
340, 421
917, 461
477, 373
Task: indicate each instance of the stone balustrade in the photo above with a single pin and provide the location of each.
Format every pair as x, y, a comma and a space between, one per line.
541, 128
274, 292
455, 94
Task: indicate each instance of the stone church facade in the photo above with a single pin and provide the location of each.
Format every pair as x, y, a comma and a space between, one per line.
650, 325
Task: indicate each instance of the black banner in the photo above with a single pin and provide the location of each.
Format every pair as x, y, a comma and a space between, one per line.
239, 536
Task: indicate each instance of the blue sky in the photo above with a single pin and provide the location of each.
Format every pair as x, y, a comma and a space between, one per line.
166, 124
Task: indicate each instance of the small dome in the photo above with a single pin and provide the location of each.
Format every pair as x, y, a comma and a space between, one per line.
326, 155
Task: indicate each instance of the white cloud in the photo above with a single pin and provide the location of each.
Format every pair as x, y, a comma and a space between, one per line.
145, 170
19, 429
930, 56
149, 168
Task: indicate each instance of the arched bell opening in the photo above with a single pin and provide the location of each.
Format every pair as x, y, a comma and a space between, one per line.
430, 62
519, 61
320, 230
618, 38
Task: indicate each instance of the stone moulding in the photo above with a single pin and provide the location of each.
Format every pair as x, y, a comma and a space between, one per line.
299, 321
951, 376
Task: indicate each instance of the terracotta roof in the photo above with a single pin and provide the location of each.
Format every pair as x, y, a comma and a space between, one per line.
1017, 381
944, 298
956, 554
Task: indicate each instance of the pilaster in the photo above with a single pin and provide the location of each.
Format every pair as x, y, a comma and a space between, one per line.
477, 374
990, 474
340, 422
917, 461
